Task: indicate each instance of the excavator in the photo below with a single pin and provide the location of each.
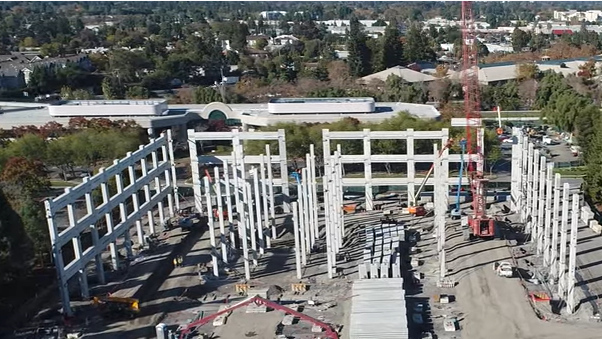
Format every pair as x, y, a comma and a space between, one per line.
420, 211
115, 307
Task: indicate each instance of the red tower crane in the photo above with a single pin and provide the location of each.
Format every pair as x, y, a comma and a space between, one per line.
479, 224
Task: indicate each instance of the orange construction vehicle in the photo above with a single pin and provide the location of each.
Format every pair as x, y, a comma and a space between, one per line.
420, 211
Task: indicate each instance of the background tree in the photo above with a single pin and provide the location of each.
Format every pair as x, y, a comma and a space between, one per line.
359, 55
391, 49
417, 45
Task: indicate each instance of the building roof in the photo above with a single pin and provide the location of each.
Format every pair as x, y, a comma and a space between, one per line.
378, 309
14, 114
406, 74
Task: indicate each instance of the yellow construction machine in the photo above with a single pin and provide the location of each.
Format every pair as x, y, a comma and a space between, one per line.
115, 307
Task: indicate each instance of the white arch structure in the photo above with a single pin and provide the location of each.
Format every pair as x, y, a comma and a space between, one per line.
160, 174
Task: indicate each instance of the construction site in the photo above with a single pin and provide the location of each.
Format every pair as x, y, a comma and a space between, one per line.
261, 251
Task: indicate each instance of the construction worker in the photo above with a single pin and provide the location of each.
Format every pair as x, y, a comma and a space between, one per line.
180, 260
175, 262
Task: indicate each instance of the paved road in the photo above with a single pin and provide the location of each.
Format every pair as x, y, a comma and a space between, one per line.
495, 307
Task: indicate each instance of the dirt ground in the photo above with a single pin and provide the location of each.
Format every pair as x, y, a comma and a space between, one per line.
488, 306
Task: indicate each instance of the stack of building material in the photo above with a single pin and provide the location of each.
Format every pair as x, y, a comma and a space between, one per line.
381, 257
378, 310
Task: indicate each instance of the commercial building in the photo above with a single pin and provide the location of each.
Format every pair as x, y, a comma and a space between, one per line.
158, 115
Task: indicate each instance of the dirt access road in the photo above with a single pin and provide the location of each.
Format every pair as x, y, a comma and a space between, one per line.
496, 307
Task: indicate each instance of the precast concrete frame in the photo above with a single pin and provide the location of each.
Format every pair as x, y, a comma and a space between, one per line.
410, 158
545, 205
237, 139
160, 169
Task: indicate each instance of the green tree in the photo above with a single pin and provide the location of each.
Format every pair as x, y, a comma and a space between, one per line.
359, 55
418, 46
109, 90
82, 94
206, 95
520, 39
391, 49
137, 92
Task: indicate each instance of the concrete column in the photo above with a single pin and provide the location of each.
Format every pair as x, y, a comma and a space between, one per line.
368, 170
77, 250
327, 153
530, 189
534, 197
328, 226
265, 211
211, 225
168, 182
100, 272
310, 201
172, 162
104, 188
239, 195
160, 206
196, 177
123, 214
284, 170
58, 260
524, 181
411, 164
445, 170
441, 205
147, 197
136, 203
339, 192
555, 221
302, 232
571, 303
220, 214
562, 288
257, 207
127, 244
307, 198
271, 191
515, 187
248, 197
548, 215
303, 213
541, 205
314, 191
227, 184
297, 240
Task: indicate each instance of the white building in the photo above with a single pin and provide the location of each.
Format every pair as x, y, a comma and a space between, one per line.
157, 115
591, 15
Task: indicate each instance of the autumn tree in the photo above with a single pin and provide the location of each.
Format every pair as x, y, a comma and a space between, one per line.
27, 174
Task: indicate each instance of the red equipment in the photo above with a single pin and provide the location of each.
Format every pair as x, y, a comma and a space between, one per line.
480, 225
328, 331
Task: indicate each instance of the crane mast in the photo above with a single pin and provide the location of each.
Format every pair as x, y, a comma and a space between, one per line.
479, 224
